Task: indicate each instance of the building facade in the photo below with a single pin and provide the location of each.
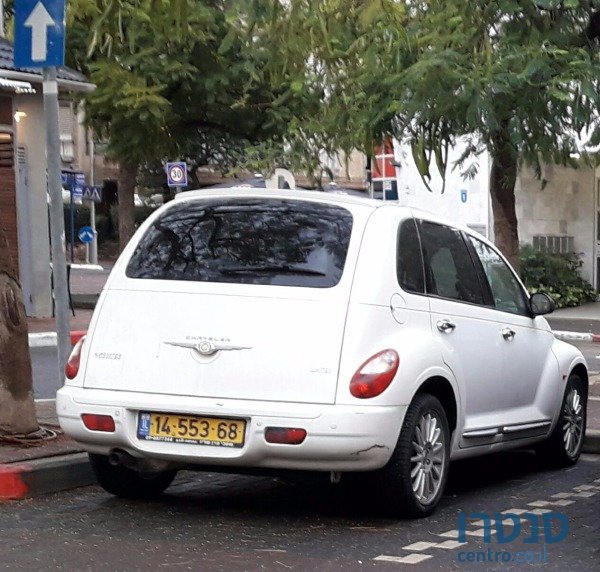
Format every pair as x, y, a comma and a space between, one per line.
23, 181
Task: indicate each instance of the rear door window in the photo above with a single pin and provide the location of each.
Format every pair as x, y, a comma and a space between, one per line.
449, 268
410, 262
252, 241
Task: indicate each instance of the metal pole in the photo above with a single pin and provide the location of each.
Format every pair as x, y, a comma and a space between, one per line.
369, 177
57, 222
94, 245
93, 251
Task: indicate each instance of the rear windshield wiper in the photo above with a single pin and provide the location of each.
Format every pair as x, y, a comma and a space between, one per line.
274, 268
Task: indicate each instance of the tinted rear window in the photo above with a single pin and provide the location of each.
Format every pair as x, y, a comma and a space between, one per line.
253, 241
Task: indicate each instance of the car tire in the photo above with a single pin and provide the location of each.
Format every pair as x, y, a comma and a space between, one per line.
413, 481
563, 447
127, 483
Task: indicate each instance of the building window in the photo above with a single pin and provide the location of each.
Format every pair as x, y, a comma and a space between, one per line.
66, 121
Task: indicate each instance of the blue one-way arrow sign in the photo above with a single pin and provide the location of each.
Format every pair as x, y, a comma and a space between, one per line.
39, 33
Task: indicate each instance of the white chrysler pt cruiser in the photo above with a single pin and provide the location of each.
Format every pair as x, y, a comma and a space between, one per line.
288, 330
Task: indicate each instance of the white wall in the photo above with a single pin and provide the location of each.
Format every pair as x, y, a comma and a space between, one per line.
564, 207
413, 192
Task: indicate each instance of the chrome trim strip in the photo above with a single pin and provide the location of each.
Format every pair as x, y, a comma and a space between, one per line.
525, 427
480, 433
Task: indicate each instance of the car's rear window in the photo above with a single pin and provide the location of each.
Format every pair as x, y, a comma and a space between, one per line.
246, 241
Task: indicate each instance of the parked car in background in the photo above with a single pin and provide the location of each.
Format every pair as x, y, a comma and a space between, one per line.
247, 329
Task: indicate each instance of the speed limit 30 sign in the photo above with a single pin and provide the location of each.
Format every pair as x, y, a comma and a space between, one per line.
177, 174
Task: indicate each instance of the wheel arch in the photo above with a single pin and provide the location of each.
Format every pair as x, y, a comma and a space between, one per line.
442, 389
580, 370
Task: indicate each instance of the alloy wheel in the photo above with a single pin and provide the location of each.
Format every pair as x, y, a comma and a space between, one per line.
572, 422
428, 462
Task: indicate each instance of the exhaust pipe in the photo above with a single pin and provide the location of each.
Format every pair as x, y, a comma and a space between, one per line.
118, 458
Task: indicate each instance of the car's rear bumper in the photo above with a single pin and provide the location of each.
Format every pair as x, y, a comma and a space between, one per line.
339, 437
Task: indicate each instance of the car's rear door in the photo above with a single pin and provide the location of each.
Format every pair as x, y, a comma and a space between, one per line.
230, 298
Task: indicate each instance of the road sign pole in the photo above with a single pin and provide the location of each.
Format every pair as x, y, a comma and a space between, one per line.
57, 223
94, 244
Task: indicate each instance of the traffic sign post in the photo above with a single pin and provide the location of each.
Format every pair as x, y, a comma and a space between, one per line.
92, 194
87, 235
177, 174
39, 33
40, 42
57, 223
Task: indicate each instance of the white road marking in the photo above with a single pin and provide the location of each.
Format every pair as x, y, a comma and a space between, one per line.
450, 534
450, 544
419, 546
563, 502
585, 495
562, 496
480, 532
539, 511
410, 559
539, 503
515, 511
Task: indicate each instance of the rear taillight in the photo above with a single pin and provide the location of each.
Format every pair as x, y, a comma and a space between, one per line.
285, 435
72, 366
375, 375
98, 422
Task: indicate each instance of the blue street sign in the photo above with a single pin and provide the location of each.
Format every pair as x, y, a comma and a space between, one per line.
78, 185
92, 193
177, 174
39, 33
86, 234
463, 196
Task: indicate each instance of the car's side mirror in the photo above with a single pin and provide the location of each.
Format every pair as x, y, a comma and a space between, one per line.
541, 303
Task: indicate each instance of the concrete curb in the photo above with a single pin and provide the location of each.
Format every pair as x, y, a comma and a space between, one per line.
49, 339
591, 444
43, 476
42, 340
576, 336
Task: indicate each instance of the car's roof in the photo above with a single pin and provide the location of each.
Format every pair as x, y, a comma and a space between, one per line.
329, 197
326, 197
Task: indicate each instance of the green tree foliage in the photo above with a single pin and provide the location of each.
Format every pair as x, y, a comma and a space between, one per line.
518, 77
180, 78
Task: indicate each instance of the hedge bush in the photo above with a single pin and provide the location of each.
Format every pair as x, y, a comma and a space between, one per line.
557, 275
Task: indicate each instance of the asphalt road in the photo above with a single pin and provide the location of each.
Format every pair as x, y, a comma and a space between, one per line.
209, 522
44, 366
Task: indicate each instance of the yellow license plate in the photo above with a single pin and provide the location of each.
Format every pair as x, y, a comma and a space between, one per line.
191, 429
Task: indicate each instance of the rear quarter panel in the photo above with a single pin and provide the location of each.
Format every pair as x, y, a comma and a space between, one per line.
372, 325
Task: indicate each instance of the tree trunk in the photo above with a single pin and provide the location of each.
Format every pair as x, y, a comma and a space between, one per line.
502, 189
127, 180
17, 407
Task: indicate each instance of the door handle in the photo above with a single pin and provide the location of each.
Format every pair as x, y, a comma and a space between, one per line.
445, 326
508, 334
